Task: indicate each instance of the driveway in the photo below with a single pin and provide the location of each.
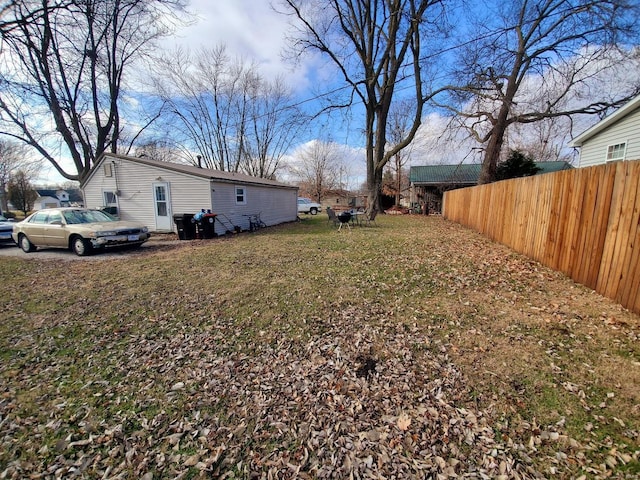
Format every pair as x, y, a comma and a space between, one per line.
153, 244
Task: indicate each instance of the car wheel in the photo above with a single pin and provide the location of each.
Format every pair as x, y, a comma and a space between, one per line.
25, 244
313, 211
80, 246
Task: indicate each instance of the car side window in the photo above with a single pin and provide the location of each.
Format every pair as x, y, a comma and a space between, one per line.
54, 218
70, 217
39, 217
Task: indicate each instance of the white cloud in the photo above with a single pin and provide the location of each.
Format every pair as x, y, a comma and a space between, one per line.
250, 30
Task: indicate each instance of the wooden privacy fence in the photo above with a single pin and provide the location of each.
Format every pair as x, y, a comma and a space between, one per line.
584, 222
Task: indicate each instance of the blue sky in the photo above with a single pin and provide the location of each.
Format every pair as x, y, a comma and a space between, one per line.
252, 30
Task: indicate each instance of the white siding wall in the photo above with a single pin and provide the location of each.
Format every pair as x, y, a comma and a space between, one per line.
136, 201
627, 130
45, 202
92, 191
188, 194
275, 205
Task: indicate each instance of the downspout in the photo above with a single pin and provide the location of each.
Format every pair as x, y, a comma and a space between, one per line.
115, 176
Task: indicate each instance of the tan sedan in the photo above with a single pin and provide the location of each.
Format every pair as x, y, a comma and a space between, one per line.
79, 229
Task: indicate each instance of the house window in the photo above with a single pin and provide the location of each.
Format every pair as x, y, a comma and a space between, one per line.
107, 170
616, 152
241, 196
110, 199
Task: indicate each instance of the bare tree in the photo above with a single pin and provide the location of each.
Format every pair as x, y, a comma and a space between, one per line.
226, 112
398, 125
376, 46
318, 168
525, 67
273, 124
161, 150
13, 158
198, 91
21, 192
64, 64
545, 141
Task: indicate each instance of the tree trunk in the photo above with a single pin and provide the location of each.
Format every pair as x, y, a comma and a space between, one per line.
498, 130
374, 187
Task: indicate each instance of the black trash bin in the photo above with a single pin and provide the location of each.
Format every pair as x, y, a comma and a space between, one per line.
209, 225
189, 226
186, 226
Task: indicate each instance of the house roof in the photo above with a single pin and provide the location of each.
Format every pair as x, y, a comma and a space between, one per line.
462, 174
45, 192
210, 174
550, 167
75, 194
606, 122
465, 174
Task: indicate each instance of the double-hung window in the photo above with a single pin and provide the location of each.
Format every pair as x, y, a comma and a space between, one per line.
616, 152
241, 196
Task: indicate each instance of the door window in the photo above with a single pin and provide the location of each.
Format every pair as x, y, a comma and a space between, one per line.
161, 201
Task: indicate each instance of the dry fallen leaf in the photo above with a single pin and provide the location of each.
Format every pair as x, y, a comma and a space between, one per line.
404, 421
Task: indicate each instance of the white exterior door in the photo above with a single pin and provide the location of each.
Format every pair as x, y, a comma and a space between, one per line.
162, 206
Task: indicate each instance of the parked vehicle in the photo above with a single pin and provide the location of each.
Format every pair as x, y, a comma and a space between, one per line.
78, 229
306, 205
6, 228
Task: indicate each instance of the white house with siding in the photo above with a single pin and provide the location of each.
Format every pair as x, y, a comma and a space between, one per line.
614, 138
50, 198
152, 192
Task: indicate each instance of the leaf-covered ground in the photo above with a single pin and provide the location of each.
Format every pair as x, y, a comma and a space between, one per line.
414, 349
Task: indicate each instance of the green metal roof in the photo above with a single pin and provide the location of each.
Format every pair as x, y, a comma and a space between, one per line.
465, 174
452, 174
550, 167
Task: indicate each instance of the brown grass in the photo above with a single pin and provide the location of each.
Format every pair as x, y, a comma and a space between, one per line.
535, 351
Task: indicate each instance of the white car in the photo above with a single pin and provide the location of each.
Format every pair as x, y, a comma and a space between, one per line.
305, 205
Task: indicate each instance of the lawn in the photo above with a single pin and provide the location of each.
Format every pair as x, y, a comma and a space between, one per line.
412, 349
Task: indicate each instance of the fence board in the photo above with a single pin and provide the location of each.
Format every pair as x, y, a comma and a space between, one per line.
543, 212
584, 222
629, 234
609, 262
606, 183
576, 196
589, 236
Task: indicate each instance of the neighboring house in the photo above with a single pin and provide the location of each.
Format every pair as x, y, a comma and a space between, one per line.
614, 138
46, 199
51, 198
343, 200
152, 192
429, 182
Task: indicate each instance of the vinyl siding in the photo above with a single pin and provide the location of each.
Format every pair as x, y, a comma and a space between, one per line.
626, 130
275, 205
188, 194
135, 182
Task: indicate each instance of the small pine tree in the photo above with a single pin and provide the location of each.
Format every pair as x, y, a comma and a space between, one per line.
516, 165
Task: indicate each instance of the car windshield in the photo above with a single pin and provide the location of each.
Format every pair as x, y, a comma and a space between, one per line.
86, 216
